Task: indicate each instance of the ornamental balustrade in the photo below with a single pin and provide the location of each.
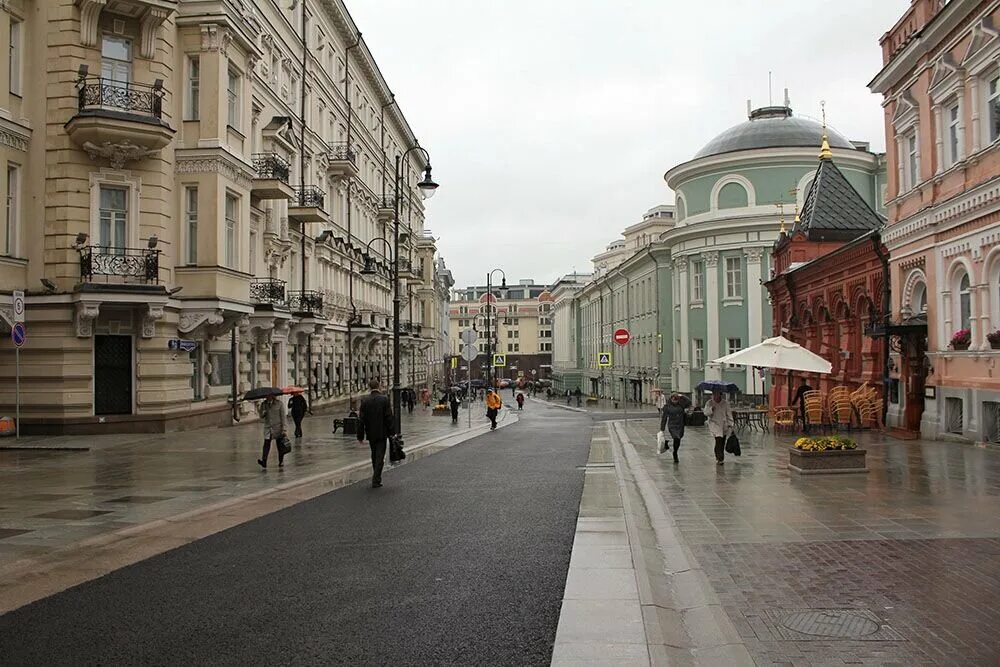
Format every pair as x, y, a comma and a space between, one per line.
267, 290
133, 98
117, 264
309, 196
271, 166
309, 302
341, 150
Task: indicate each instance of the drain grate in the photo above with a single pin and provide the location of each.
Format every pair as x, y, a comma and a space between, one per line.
819, 624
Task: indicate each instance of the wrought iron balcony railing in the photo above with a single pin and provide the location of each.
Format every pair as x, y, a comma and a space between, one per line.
271, 165
268, 290
134, 98
308, 302
341, 150
120, 265
388, 200
309, 196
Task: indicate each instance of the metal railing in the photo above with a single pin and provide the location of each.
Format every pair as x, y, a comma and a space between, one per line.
267, 290
309, 196
388, 200
341, 151
135, 98
271, 165
305, 301
125, 264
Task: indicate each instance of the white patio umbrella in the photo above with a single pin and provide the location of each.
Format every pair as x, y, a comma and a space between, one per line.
778, 352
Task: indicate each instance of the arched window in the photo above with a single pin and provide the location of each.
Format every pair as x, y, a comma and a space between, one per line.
918, 302
681, 208
733, 195
964, 302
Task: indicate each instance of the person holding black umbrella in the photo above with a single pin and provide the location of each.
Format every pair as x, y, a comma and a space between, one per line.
720, 422
272, 414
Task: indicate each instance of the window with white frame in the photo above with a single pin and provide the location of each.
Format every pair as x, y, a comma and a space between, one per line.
993, 107
734, 277
192, 111
697, 281
964, 302
191, 224
233, 85
912, 175
113, 218
918, 301
698, 353
954, 133
733, 345
15, 57
253, 252
231, 232
12, 218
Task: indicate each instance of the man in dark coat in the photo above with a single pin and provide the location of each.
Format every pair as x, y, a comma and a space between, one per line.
800, 398
376, 423
298, 407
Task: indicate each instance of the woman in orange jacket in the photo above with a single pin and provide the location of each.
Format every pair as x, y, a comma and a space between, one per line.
493, 404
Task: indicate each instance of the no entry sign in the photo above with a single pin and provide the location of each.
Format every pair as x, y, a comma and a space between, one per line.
622, 336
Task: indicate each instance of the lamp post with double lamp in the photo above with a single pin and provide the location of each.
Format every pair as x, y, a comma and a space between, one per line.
427, 187
490, 310
477, 329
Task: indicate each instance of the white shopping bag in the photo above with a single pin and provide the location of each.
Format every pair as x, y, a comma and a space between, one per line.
661, 440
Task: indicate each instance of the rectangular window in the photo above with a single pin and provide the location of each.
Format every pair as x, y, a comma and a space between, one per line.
253, 253
116, 59
733, 345
510, 347
193, 87
993, 107
953, 136
697, 281
191, 224
232, 231
699, 353
222, 369
912, 178
734, 277
233, 94
197, 375
113, 218
15, 57
11, 220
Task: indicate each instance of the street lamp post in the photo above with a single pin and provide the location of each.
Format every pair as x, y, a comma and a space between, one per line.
490, 309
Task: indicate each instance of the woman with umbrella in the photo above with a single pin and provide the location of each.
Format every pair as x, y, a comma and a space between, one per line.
720, 416
272, 415
672, 420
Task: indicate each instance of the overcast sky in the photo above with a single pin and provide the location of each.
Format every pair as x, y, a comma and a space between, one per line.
550, 123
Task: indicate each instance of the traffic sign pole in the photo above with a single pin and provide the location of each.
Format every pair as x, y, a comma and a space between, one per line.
17, 392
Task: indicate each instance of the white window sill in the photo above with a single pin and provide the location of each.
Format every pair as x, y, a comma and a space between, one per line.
696, 304
732, 301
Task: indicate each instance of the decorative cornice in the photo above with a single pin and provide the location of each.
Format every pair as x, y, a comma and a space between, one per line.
86, 313
239, 174
970, 204
14, 140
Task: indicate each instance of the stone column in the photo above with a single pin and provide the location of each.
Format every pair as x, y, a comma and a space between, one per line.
939, 137
712, 371
946, 320
981, 312
755, 322
684, 361
974, 115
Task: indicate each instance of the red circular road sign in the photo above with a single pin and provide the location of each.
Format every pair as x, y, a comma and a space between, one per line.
622, 336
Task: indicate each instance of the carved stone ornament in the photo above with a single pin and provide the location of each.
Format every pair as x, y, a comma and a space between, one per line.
148, 26
84, 318
241, 176
118, 153
153, 314
192, 319
681, 263
711, 259
215, 38
754, 255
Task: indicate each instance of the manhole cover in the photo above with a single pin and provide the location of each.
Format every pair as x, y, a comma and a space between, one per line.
831, 623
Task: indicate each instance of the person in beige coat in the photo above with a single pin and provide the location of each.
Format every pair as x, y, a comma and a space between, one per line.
720, 423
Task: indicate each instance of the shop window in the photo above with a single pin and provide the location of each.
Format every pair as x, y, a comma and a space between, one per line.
954, 415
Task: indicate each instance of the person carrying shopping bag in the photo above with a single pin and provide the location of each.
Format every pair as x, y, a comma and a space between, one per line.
720, 423
493, 404
672, 421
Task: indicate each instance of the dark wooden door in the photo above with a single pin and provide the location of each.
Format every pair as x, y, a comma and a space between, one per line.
113, 375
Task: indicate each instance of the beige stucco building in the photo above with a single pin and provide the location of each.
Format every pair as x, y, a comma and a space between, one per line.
191, 188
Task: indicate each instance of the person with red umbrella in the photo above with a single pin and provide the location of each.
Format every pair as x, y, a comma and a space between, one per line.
298, 406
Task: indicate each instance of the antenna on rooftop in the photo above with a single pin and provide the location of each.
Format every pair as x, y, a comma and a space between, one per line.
770, 100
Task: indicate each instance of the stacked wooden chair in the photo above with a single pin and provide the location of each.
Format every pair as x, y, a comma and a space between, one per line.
815, 406
867, 406
840, 407
784, 419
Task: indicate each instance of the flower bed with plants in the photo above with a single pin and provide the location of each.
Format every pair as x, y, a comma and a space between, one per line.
994, 339
961, 339
824, 444
826, 454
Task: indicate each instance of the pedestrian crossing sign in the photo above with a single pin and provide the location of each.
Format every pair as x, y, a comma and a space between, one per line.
604, 360
499, 360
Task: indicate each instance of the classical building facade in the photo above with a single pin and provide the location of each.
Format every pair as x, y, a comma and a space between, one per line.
829, 288
519, 321
567, 359
941, 87
192, 187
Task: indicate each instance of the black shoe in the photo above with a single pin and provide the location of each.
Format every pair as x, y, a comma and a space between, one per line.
281, 463
376, 485
261, 463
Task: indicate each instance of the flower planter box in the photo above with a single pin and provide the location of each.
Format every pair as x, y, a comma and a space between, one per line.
959, 347
830, 461
442, 411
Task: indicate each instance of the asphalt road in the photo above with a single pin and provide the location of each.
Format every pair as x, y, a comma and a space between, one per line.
460, 558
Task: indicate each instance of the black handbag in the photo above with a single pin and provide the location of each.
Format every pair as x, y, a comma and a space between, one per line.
283, 445
733, 445
396, 452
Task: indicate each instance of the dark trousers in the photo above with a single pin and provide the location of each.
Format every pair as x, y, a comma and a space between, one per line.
378, 459
267, 450
677, 445
454, 412
720, 449
492, 415
298, 424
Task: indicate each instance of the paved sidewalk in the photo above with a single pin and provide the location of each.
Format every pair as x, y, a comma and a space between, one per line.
603, 408
52, 499
899, 566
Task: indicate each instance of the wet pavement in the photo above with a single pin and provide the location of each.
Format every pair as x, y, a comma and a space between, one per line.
93, 486
897, 566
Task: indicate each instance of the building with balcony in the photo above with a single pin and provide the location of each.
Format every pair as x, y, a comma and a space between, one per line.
201, 171
940, 84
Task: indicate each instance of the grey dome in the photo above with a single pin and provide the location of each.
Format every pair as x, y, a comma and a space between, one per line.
772, 127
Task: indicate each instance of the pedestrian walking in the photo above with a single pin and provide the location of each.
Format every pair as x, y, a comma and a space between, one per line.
425, 397
661, 401
720, 422
579, 395
272, 414
493, 404
411, 399
453, 403
520, 402
298, 407
376, 424
672, 420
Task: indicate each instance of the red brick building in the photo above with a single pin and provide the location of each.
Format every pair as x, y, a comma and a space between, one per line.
829, 285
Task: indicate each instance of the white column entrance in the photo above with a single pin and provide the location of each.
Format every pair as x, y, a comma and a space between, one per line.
684, 369
755, 322
712, 371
